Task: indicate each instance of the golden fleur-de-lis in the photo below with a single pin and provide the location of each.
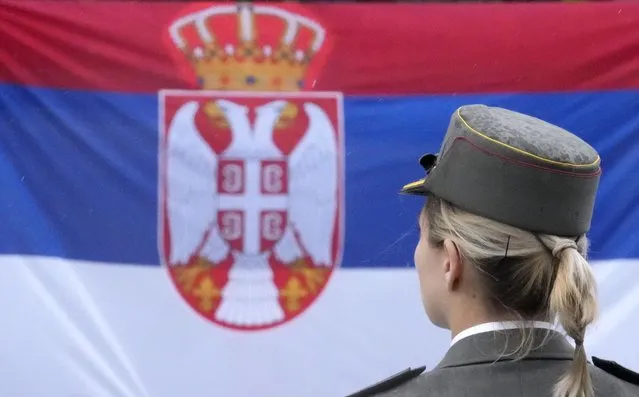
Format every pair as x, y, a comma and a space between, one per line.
293, 293
207, 293
313, 278
186, 276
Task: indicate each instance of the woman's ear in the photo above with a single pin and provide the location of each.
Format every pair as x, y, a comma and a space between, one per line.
453, 268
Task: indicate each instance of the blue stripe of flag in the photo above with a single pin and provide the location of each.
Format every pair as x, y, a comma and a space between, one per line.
78, 170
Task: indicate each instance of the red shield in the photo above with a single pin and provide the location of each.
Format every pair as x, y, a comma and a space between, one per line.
247, 205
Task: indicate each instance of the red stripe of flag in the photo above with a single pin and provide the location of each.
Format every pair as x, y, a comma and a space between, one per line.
376, 49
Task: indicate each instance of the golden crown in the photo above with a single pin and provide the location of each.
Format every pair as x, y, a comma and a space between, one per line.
247, 66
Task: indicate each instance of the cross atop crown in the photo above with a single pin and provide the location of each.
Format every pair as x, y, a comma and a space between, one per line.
250, 64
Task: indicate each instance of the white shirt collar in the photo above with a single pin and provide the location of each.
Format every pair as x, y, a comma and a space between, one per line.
498, 326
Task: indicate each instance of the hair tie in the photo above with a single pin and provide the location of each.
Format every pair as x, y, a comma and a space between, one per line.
563, 245
579, 342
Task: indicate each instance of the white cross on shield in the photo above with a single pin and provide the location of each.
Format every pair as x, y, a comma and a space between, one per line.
252, 202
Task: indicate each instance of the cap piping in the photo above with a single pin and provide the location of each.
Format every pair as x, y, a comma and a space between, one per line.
413, 184
596, 162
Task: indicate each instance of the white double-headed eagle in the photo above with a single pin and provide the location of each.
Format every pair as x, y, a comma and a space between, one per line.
250, 296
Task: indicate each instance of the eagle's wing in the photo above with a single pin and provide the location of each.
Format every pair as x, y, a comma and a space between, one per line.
191, 167
312, 190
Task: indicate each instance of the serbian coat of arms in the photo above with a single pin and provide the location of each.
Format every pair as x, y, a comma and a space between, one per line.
251, 166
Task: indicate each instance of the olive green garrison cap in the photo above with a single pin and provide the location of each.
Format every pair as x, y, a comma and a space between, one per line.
515, 169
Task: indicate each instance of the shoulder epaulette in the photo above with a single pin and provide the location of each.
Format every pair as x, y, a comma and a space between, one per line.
616, 370
389, 383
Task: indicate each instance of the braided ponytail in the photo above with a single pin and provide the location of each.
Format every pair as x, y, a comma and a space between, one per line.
573, 300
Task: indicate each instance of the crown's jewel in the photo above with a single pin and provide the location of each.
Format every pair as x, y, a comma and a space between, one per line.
245, 65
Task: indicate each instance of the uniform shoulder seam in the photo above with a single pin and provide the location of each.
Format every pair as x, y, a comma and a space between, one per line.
616, 370
389, 383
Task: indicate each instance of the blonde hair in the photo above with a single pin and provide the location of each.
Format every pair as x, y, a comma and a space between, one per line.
528, 276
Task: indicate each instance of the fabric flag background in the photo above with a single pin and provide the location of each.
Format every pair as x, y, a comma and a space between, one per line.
89, 308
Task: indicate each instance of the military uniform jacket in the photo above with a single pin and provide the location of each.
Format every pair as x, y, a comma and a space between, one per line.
476, 367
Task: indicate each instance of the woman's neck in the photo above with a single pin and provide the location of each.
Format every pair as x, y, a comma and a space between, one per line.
466, 311
472, 312
477, 315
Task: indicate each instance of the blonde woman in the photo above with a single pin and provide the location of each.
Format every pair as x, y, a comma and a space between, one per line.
501, 261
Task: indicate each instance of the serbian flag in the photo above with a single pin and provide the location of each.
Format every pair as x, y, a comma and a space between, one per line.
201, 199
